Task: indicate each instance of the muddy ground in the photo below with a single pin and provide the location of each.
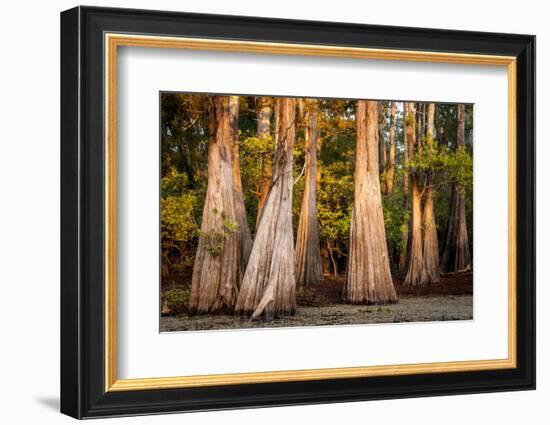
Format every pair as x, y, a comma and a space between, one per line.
321, 305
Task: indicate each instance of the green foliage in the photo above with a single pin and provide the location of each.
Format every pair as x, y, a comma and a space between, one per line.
214, 239
184, 146
177, 208
395, 219
177, 295
452, 165
335, 194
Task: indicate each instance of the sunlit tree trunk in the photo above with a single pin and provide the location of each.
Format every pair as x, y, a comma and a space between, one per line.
368, 277
215, 279
245, 239
309, 268
405, 239
456, 254
430, 245
264, 124
390, 167
416, 272
268, 288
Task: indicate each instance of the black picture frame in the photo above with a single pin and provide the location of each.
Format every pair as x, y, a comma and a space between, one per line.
83, 392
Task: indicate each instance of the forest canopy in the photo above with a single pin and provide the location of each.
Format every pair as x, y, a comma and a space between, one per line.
416, 155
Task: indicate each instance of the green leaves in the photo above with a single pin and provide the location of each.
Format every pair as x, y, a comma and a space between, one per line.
215, 238
177, 218
450, 165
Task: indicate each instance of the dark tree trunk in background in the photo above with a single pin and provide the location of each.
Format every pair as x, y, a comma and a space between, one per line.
215, 279
380, 139
268, 288
309, 268
456, 254
264, 124
245, 239
368, 277
390, 168
416, 272
430, 245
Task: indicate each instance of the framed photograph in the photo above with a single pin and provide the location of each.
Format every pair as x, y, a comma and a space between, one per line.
261, 212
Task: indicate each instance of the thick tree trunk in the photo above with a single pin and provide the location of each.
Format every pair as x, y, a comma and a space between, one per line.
430, 245
309, 268
390, 170
215, 277
368, 277
269, 285
245, 239
416, 272
264, 124
456, 254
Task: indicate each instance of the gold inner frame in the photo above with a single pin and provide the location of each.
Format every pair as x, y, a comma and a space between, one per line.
113, 41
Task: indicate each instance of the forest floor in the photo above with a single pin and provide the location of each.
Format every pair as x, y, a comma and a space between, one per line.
321, 305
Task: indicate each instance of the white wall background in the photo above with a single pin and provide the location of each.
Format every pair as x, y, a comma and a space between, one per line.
29, 216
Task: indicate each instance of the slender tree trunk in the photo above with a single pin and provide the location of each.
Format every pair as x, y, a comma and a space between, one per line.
390, 170
405, 234
380, 139
368, 277
269, 285
245, 239
333, 260
456, 254
430, 245
420, 122
264, 124
309, 268
215, 277
416, 272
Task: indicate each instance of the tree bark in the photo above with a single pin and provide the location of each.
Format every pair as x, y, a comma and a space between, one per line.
430, 245
368, 277
416, 272
269, 285
405, 234
380, 139
215, 279
456, 254
245, 238
264, 124
390, 170
309, 270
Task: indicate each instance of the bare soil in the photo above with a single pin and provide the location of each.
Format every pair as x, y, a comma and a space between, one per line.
321, 305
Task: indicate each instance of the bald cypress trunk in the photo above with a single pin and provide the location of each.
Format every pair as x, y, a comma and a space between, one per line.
264, 124
405, 239
368, 277
309, 270
456, 254
245, 239
430, 245
380, 139
416, 272
390, 167
268, 288
215, 279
